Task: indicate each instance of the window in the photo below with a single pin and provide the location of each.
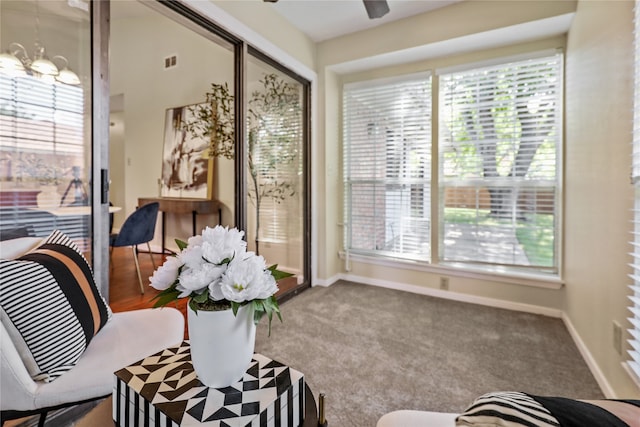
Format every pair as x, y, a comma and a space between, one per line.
387, 167
500, 135
634, 331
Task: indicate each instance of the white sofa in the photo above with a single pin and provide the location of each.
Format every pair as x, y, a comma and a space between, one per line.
126, 338
408, 418
511, 408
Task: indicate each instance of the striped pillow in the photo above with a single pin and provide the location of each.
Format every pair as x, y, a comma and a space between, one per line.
506, 409
50, 305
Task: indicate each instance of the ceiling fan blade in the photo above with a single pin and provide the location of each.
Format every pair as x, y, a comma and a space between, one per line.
376, 8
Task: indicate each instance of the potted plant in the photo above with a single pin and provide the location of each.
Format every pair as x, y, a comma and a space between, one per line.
229, 290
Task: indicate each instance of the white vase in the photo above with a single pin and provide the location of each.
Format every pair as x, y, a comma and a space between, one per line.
221, 344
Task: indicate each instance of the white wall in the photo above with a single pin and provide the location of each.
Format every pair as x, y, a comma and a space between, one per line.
598, 193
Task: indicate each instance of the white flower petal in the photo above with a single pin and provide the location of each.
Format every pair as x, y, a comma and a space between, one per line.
220, 243
197, 280
166, 274
246, 279
192, 257
215, 291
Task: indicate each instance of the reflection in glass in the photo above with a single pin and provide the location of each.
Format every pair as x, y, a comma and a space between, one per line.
275, 167
44, 127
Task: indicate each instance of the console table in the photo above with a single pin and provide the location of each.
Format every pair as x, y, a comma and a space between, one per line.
183, 205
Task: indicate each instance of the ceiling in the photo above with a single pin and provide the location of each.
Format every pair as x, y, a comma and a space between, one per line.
326, 19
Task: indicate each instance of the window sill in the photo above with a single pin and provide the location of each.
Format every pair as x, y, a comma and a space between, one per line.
631, 373
492, 273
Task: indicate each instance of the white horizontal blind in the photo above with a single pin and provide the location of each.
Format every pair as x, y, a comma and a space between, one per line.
387, 167
41, 141
40, 117
634, 331
499, 138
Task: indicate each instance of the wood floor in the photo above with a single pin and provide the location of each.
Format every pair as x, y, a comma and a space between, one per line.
124, 289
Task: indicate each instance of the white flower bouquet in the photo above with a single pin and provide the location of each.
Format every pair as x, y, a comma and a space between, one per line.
216, 272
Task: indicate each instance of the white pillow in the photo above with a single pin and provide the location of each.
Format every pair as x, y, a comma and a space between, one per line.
407, 417
507, 409
12, 249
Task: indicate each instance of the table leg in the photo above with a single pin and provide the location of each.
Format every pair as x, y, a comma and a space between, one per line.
311, 410
193, 222
164, 223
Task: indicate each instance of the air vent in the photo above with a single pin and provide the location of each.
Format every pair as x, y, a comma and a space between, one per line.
170, 61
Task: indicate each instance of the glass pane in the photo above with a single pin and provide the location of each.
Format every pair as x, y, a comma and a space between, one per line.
275, 175
387, 167
170, 138
45, 125
499, 139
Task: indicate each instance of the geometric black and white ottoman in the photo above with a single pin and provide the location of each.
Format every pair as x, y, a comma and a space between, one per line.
162, 390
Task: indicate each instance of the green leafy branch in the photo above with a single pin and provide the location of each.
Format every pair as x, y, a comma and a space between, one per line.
214, 120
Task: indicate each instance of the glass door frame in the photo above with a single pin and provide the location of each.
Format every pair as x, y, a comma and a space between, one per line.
99, 185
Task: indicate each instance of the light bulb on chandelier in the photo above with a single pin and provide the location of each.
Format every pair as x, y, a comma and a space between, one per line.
16, 60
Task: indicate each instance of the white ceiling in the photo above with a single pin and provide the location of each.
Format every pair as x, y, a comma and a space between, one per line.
326, 19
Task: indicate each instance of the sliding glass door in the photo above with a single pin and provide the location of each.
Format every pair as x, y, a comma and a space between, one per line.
199, 92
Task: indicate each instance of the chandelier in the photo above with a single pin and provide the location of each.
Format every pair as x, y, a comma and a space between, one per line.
16, 60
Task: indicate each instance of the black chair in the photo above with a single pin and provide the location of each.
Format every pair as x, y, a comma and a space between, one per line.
138, 228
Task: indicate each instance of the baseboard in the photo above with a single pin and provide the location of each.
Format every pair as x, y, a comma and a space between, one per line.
473, 299
327, 282
606, 388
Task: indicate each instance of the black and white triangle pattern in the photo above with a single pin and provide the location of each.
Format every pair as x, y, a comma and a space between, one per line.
163, 390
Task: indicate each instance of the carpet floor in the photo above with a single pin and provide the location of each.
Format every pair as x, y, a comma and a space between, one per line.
373, 350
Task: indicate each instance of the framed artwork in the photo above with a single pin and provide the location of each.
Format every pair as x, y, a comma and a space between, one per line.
186, 167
